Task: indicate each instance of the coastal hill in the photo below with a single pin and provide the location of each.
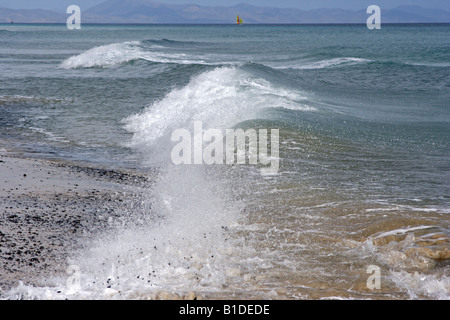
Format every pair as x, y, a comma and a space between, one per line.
145, 11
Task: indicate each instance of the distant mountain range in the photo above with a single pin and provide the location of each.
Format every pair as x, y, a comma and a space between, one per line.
145, 11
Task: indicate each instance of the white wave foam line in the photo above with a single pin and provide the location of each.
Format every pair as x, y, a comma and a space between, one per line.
410, 208
119, 53
276, 97
29, 99
328, 63
402, 231
107, 55
50, 135
430, 64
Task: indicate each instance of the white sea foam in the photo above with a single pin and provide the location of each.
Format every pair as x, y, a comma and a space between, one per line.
401, 266
220, 98
401, 231
326, 63
49, 135
419, 285
119, 53
102, 56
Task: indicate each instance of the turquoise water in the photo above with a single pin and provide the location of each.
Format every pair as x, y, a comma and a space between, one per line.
364, 146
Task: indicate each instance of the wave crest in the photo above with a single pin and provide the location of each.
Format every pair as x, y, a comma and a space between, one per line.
120, 53
220, 98
335, 62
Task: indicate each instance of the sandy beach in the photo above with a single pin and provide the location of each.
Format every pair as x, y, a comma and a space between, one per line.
49, 209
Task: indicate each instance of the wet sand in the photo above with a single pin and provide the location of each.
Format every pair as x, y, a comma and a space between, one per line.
50, 208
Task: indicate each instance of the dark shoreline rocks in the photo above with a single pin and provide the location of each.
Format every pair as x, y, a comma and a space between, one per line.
49, 209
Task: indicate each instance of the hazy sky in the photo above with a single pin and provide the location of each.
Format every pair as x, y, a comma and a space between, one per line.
61, 5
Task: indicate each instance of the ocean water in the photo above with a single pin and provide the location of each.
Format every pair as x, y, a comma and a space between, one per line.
364, 155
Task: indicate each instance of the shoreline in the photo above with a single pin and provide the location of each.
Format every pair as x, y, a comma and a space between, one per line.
50, 208
53, 209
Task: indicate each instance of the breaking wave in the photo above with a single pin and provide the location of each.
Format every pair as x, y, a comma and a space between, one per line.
125, 52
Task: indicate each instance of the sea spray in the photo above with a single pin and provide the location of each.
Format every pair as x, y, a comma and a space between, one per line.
184, 251
221, 98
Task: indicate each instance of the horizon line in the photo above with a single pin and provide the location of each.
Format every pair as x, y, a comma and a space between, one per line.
219, 23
